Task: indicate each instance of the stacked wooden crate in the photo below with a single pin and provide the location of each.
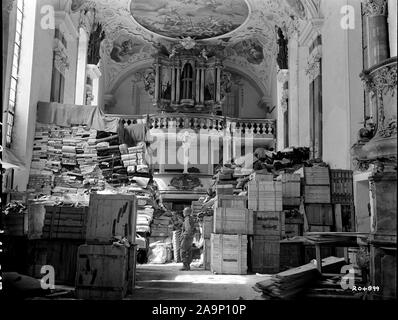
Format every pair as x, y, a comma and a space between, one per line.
342, 197
317, 198
291, 190
232, 222
106, 270
265, 198
264, 195
65, 222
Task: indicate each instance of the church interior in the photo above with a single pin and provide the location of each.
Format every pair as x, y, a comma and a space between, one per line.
199, 149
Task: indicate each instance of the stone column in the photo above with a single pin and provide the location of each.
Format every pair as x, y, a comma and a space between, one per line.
392, 26
81, 67
294, 127
282, 77
202, 85
94, 73
376, 13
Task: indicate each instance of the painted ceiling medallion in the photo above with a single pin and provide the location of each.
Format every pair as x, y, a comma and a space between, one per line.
197, 19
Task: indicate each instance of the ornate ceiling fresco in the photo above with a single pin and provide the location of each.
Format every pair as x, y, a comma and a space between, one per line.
190, 18
242, 31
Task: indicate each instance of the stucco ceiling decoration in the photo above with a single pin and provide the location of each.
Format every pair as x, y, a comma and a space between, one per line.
197, 19
247, 42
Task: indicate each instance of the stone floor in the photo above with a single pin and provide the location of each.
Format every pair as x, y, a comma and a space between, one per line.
167, 282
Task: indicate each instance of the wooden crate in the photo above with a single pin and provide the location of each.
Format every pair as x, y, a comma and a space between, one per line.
226, 189
341, 186
15, 224
233, 221
290, 189
319, 214
207, 254
268, 223
265, 253
291, 255
207, 226
293, 230
317, 194
316, 176
105, 272
36, 214
261, 176
111, 216
65, 223
61, 254
265, 195
228, 201
228, 254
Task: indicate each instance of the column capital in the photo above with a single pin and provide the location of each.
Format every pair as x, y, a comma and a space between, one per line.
375, 7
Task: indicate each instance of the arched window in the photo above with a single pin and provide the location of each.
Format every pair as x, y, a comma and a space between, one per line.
187, 82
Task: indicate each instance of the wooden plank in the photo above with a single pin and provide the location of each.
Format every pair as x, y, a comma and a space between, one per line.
230, 201
207, 254
265, 255
104, 272
337, 218
228, 254
207, 226
233, 221
317, 194
316, 176
319, 214
342, 190
224, 189
265, 195
110, 216
268, 223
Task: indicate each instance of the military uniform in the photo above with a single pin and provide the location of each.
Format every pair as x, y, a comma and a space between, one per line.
186, 241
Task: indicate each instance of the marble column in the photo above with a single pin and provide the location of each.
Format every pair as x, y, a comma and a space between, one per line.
376, 13
282, 78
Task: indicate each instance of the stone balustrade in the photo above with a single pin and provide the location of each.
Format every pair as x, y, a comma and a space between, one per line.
196, 122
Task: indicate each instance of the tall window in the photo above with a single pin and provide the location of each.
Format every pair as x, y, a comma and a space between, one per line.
12, 96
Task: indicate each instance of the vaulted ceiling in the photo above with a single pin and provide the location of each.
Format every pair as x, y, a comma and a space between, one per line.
243, 30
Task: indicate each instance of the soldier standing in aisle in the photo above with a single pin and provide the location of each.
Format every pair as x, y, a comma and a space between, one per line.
187, 239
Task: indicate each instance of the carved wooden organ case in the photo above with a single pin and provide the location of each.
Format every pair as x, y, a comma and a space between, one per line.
188, 82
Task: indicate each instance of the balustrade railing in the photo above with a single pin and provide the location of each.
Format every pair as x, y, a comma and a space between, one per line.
197, 122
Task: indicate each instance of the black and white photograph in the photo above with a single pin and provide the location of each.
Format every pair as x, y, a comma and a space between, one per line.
225, 154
